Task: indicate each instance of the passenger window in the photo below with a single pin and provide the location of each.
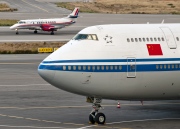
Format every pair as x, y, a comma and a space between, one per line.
79, 67
155, 39
84, 67
176, 66
132, 40
128, 40
136, 39
111, 67
172, 66
161, 66
102, 67
107, 67
157, 66
115, 67
140, 40
159, 39
93, 67
169, 66
151, 39
98, 67
89, 67
69, 67
177, 38
144, 39
64, 67
162, 39
120, 67
164, 66
74, 67
147, 39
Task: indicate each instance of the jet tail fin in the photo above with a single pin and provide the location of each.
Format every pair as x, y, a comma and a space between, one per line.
74, 13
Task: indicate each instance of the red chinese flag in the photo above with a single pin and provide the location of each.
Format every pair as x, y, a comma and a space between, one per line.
154, 49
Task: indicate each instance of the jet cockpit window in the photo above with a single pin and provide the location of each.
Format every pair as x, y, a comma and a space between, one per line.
21, 22
85, 37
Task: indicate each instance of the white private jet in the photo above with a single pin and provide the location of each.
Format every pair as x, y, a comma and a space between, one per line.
118, 62
46, 24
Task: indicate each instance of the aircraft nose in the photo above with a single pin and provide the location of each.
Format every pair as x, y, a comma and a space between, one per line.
45, 73
12, 27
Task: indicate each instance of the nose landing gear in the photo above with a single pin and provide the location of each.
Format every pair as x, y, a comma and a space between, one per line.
17, 31
95, 116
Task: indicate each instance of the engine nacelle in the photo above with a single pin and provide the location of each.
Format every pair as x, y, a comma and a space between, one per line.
47, 27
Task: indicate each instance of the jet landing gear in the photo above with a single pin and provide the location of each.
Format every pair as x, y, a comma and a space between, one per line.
95, 116
35, 32
17, 31
52, 32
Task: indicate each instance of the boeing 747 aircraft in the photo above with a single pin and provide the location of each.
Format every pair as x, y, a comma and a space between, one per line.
119, 62
49, 25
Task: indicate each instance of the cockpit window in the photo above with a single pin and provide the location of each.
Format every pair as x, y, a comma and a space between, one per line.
85, 37
21, 22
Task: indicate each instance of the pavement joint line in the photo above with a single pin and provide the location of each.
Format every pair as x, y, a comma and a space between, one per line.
32, 119
2, 115
15, 117
35, 6
51, 121
40, 120
79, 124
69, 123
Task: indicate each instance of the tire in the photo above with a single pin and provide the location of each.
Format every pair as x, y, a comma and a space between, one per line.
52, 33
100, 118
91, 118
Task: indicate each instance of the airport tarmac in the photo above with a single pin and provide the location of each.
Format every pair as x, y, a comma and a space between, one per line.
28, 102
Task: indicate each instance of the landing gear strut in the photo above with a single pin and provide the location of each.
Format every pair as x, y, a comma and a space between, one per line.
95, 116
35, 31
52, 33
17, 31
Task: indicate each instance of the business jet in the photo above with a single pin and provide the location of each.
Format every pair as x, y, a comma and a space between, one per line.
119, 62
49, 25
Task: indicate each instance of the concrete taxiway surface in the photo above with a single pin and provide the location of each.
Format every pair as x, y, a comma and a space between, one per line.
28, 102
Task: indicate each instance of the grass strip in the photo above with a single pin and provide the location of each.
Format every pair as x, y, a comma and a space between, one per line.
27, 47
7, 22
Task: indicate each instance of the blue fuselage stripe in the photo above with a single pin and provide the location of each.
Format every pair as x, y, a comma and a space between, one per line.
143, 65
112, 60
112, 68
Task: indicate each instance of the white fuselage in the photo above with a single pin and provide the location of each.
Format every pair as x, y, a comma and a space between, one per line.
117, 63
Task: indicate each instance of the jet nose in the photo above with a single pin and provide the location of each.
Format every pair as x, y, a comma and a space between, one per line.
46, 73
13, 26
